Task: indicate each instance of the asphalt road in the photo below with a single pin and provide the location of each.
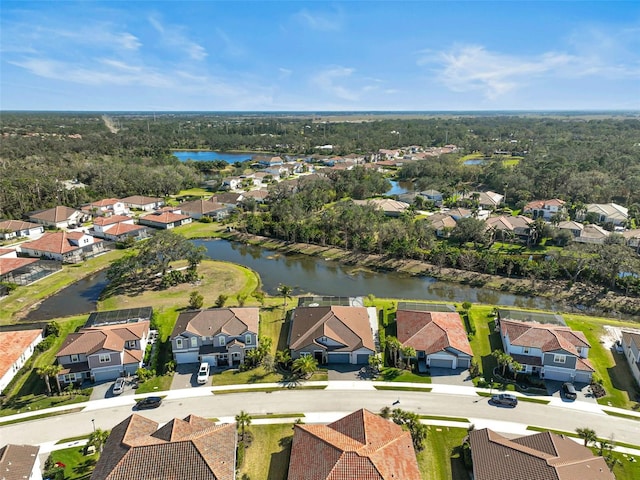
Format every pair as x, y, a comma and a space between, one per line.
317, 401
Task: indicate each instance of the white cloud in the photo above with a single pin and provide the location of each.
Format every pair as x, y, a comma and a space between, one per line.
327, 81
174, 37
324, 22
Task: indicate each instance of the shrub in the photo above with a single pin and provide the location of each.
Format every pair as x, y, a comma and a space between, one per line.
205, 220
53, 329
196, 300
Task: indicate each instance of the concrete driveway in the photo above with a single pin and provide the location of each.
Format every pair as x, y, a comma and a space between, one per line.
186, 376
105, 390
554, 388
347, 372
447, 376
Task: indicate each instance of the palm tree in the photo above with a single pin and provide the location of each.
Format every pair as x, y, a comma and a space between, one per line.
588, 435
49, 371
305, 365
98, 438
504, 360
407, 354
285, 291
243, 419
393, 346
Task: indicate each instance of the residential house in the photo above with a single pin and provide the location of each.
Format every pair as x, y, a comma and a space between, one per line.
191, 448
270, 161
385, 154
488, 200
206, 208
231, 183
335, 334
442, 223
106, 207
140, 202
23, 271
117, 228
458, 213
265, 178
16, 347
545, 209
506, 227
631, 346
439, 338
606, 213
432, 196
391, 208
66, 247
592, 234
218, 336
361, 445
541, 456
164, 220
103, 352
260, 196
574, 227
20, 462
60, 217
229, 198
19, 229
632, 238
553, 352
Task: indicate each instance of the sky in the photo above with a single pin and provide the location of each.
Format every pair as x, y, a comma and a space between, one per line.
319, 55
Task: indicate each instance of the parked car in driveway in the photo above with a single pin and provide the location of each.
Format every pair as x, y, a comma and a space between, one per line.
569, 391
118, 387
149, 402
203, 373
506, 399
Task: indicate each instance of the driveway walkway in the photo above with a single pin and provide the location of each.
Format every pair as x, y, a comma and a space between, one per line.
446, 376
185, 376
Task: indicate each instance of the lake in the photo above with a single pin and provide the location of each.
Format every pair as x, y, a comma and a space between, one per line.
306, 275
204, 155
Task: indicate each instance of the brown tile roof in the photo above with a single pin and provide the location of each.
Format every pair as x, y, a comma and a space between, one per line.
432, 332
56, 242
112, 219
211, 322
229, 198
540, 204
10, 264
164, 217
12, 345
543, 336
55, 214
192, 448
107, 202
543, 456
107, 337
122, 228
17, 461
347, 325
201, 206
360, 446
17, 225
140, 200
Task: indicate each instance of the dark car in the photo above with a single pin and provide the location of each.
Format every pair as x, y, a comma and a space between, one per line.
149, 402
569, 391
505, 399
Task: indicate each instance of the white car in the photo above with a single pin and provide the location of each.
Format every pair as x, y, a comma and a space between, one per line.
118, 387
203, 373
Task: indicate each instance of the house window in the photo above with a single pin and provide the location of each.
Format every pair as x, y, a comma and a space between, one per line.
194, 341
525, 350
104, 358
75, 358
178, 343
247, 339
131, 344
223, 341
559, 358
305, 354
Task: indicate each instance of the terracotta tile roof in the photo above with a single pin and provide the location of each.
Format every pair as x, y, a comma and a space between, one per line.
107, 337
57, 242
360, 446
211, 322
107, 202
543, 456
5, 251
257, 194
17, 225
55, 214
385, 204
17, 461
12, 345
441, 221
348, 325
140, 200
132, 356
10, 264
540, 204
164, 217
192, 448
432, 332
543, 336
112, 219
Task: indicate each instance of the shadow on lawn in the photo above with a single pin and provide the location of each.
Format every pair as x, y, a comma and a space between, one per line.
279, 464
622, 378
489, 362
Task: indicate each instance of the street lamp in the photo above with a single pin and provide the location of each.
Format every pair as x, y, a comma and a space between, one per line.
93, 421
490, 388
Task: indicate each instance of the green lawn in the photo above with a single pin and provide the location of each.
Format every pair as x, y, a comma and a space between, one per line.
77, 465
485, 339
626, 470
22, 298
611, 368
441, 459
268, 456
160, 383
235, 377
200, 230
390, 374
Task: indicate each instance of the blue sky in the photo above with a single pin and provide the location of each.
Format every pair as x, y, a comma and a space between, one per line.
299, 55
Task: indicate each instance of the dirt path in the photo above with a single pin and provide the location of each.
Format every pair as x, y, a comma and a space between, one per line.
109, 123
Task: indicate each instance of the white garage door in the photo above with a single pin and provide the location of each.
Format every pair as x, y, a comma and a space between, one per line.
562, 376
109, 374
339, 358
441, 363
463, 363
187, 357
583, 377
